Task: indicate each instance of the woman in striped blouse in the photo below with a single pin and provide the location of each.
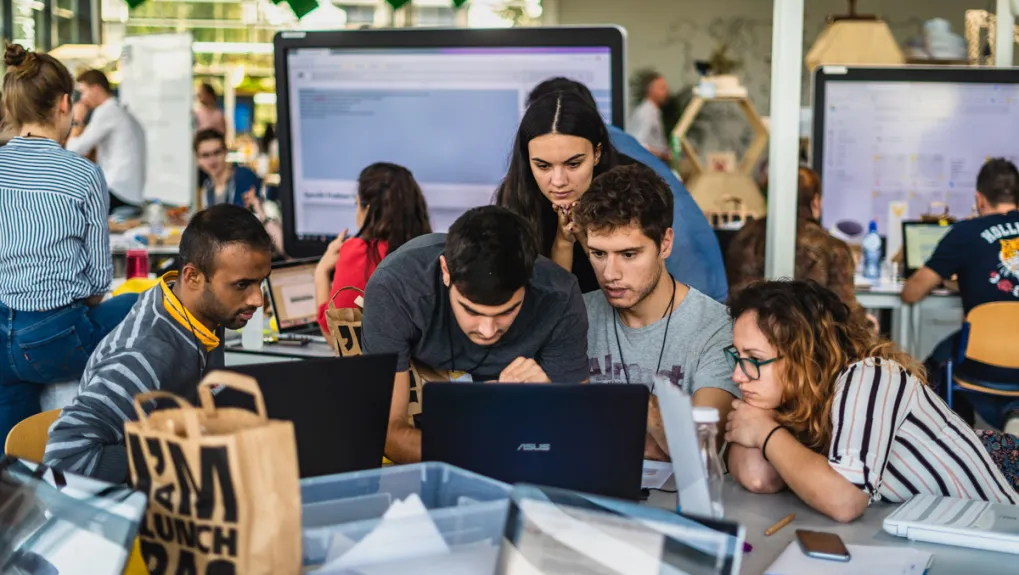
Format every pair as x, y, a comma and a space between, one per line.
838, 419
55, 264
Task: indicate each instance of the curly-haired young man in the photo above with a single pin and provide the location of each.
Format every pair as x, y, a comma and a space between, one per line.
643, 323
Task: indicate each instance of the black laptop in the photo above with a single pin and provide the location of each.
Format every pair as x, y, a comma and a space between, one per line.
587, 438
339, 407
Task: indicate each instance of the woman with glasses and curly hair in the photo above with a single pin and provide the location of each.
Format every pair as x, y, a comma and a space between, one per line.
838, 418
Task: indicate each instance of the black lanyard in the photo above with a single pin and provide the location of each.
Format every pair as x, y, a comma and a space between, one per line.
668, 312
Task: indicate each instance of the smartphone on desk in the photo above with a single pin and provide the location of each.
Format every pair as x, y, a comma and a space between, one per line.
821, 545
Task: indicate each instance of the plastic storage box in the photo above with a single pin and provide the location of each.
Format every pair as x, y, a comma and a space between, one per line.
338, 511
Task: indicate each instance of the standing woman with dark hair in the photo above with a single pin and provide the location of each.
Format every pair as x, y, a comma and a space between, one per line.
391, 211
55, 265
561, 146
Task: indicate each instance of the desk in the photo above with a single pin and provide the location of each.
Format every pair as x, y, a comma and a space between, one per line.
758, 512
235, 354
907, 320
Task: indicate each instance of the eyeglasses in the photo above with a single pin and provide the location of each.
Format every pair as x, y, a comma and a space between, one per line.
751, 367
208, 155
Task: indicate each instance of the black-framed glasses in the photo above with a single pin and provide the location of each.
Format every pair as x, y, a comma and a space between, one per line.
751, 367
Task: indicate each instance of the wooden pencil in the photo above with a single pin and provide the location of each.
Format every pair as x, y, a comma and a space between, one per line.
776, 527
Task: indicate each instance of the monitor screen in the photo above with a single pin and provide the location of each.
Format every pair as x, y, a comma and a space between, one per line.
919, 240
920, 139
449, 115
292, 289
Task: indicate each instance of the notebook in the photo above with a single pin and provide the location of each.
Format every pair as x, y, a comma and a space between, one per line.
865, 560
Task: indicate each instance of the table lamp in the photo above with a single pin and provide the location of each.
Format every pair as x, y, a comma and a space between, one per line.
855, 39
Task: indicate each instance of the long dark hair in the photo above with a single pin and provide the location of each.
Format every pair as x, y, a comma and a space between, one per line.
565, 113
395, 208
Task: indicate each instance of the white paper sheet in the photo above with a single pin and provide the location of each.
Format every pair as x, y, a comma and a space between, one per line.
405, 531
864, 560
656, 473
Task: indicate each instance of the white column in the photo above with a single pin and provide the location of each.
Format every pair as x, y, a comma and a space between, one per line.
1004, 41
784, 150
229, 103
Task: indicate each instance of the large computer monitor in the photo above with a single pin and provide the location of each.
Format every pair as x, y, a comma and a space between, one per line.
916, 134
443, 103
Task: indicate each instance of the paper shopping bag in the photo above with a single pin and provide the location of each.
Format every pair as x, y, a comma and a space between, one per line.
224, 493
344, 326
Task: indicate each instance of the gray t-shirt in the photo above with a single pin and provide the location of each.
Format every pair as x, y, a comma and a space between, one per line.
407, 312
693, 359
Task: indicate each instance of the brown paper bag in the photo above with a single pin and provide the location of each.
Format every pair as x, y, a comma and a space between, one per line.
223, 487
344, 326
420, 374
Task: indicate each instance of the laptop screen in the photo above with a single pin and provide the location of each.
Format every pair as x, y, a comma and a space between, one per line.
919, 241
293, 295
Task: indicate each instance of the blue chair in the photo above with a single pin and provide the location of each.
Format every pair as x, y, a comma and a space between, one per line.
987, 363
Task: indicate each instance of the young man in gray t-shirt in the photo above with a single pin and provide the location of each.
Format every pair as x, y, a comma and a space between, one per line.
642, 322
478, 302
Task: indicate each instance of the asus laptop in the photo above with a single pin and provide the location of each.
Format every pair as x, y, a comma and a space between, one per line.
588, 438
339, 407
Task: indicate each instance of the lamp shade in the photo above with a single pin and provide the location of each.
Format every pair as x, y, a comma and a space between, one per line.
855, 42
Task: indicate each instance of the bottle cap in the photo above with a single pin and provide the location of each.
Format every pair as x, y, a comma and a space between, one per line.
873, 226
705, 415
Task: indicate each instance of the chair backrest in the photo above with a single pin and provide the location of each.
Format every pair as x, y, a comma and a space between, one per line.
991, 338
27, 439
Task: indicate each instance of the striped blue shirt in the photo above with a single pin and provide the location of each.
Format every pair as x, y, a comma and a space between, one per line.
54, 234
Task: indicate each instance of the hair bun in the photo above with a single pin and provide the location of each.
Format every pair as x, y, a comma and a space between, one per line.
14, 55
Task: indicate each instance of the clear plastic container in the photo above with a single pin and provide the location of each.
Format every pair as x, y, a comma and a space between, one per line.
468, 509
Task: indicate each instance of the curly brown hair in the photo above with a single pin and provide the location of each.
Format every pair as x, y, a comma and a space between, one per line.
627, 195
818, 337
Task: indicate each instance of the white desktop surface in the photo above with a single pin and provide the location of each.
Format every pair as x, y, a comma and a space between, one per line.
758, 512
907, 320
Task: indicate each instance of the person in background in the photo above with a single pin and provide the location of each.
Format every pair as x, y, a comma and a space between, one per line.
479, 303
646, 121
391, 211
234, 184
561, 145
837, 418
643, 323
117, 137
984, 253
208, 115
55, 264
227, 183
819, 255
696, 259
170, 340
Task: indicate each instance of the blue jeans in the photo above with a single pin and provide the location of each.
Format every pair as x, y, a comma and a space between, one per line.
40, 348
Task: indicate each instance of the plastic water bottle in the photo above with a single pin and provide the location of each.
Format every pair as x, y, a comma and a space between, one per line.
872, 253
154, 216
706, 419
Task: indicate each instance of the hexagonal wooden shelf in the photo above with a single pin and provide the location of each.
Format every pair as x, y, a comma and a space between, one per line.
714, 191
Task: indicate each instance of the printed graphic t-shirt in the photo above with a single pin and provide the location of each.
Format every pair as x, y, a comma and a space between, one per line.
984, 252
692, 358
